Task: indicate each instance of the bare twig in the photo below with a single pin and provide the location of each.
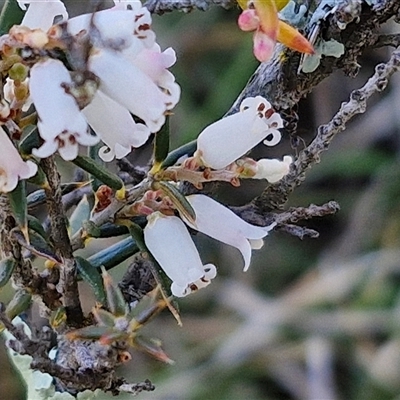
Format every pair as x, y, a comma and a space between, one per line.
276, 195
388, 40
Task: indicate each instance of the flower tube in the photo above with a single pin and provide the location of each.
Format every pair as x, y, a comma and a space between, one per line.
226, 140
217, 221
172, 246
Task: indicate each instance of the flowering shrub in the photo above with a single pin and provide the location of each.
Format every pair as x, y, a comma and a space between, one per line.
91, 89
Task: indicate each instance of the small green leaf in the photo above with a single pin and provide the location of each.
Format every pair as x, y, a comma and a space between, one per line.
11, 14
31, 140
101, 173
91, 275
179, 200
115, 254
18, 304
187, 149
35, 225
137, 234
115, 299
79, 215
103, 317
89, 332
37, 245
93, 153
152, 348
18, 203
7, 266
161, 146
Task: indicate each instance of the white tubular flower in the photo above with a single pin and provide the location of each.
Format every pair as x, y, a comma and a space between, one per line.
130, 87
12, 167
154, 64
226, 140
171, 245
61, 124
272, 170
41, 13
114, 124
220, 223
119, 29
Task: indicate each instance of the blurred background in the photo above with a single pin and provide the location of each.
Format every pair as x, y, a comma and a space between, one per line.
314, 319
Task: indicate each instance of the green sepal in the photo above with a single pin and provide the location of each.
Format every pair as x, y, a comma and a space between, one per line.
101, 173
19, 207
31, 140
37, 245
187, 149
7, 266
35, 225
161, 146
115, 299
18, 304
92, 276
79, 215
105, 231
179, 200
11, 14
115, 254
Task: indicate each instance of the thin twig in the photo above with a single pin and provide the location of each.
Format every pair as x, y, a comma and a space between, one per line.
387, 40
276, 195
67, 285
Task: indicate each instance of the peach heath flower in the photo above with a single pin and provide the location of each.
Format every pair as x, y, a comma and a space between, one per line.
12, 167
261, 16
171, 245
61, 123
228, 139
219, 222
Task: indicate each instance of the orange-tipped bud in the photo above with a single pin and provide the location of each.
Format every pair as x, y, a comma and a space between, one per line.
293, 39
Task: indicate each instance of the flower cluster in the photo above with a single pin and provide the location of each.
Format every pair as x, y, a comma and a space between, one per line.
124, 73
219, 156
261, 16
